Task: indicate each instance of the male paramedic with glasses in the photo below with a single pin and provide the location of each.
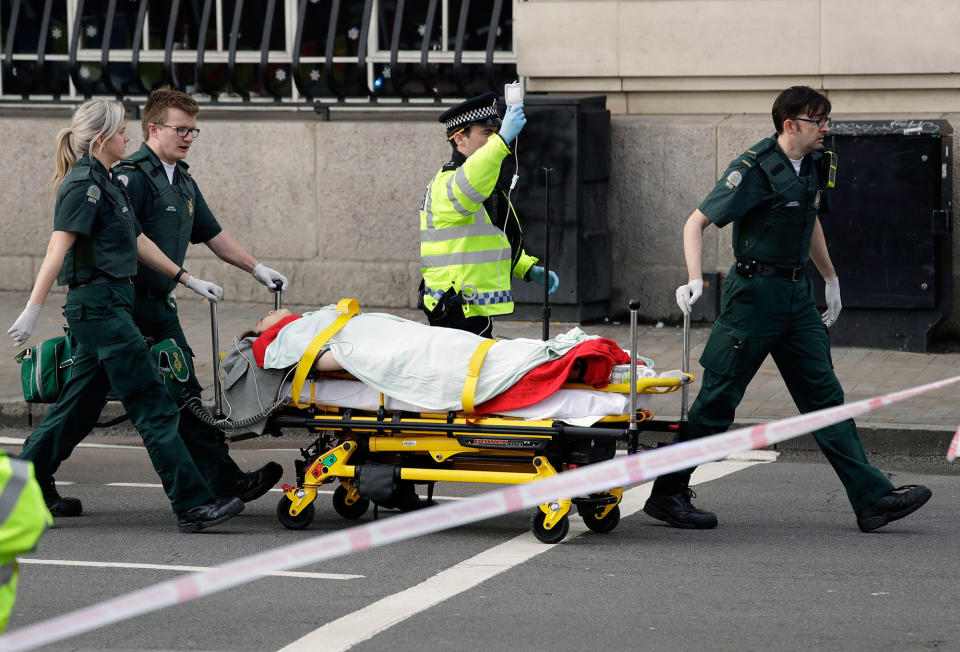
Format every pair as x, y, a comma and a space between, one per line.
772, 194
173, 213
471, 242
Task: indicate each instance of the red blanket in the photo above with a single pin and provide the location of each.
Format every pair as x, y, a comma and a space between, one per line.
599, 356
268, 336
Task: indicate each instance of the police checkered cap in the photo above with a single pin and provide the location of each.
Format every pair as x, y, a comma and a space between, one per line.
477, 110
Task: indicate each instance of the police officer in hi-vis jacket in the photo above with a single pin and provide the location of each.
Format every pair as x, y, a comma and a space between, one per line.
471, 242
772, 194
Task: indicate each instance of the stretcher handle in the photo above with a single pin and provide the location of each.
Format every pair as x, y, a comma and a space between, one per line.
277, 292
215, 343
634, 305
685, 390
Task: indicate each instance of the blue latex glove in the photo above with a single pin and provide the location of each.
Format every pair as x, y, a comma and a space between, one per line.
537, 274
513, 122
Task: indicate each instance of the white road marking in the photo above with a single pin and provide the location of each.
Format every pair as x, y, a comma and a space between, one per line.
16, 441
363, 624
186, 569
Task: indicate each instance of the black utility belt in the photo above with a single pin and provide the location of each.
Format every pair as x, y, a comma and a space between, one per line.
101, 279
151, 293
747, 267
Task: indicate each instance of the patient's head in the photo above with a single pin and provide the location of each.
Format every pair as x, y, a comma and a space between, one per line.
264, 324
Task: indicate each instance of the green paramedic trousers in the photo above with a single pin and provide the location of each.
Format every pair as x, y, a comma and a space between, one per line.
776, 316
157, 318
111, 353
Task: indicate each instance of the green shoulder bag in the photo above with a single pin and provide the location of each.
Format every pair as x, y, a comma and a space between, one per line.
45, 369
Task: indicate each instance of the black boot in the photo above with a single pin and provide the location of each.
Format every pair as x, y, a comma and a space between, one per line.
57, 504
209, 514
256, 483
677, 510
892, 506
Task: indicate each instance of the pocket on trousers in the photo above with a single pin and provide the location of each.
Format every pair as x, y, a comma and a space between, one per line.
723, 349
128, 367
81, 312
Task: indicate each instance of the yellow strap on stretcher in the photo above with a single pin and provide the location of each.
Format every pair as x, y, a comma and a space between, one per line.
473, 374
349, 308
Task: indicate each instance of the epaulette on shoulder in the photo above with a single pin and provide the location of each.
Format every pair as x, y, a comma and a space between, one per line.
750, 156
126, 164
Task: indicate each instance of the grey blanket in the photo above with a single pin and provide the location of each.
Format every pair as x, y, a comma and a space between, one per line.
247, 388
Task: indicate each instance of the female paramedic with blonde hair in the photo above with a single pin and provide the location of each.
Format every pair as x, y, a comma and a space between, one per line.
93, 250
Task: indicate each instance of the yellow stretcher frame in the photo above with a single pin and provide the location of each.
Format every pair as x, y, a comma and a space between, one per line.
457, 446
445, 448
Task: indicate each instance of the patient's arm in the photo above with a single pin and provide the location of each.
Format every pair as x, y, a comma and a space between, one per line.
326, 362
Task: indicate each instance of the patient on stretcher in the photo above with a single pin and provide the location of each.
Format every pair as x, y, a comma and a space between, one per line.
417, 364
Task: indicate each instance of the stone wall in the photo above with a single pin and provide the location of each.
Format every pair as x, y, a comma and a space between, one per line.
334, 204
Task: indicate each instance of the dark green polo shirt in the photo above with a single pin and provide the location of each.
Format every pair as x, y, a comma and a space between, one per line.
92, 204
771, 207
173, 216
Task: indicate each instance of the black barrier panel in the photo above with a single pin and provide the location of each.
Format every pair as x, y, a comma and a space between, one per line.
571, 137
888, 231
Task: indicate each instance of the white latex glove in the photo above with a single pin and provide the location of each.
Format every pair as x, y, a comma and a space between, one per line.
832, 290
205, 289
688, 294
26, 322
269, 277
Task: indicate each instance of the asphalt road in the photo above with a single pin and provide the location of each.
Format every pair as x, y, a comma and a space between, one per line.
787, 569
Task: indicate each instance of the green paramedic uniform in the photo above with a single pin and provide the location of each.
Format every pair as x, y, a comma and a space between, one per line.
23, 520
470, 243
768, 308
111, 355
173, 216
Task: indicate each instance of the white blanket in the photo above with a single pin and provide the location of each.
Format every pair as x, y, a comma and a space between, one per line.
412, 362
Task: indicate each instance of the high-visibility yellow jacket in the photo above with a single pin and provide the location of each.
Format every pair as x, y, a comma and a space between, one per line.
460, 245
23, 519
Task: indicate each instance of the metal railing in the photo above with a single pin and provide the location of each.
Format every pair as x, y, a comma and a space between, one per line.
264, 52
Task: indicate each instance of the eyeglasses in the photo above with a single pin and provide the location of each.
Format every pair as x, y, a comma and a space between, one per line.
181, 131
820, 122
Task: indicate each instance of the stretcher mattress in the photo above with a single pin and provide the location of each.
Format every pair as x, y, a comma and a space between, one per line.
579, 407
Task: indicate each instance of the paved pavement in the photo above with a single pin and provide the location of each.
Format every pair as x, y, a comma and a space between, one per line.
925, 422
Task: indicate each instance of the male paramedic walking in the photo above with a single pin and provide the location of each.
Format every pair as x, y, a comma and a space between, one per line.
471, 242
172, 212
772, 194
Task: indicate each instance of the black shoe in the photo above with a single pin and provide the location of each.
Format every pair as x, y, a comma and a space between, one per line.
677, 510
57, 504
892, 506
209, 514
256, 483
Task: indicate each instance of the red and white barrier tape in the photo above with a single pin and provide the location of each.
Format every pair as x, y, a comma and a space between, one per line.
620, 471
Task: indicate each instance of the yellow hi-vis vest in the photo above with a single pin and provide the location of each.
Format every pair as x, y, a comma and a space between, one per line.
23, 519
460, 247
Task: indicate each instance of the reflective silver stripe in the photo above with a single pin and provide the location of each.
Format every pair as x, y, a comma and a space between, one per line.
457, 206
466, 187
38, 373
426, 207
6, 572
19, 473
464, 258
457, 232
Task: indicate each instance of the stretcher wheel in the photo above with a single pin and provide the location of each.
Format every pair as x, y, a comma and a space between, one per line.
601, 525
298, 522
554, 535
355, 510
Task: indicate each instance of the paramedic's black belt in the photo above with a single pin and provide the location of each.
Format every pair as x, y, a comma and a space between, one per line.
747, 267
101, 279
